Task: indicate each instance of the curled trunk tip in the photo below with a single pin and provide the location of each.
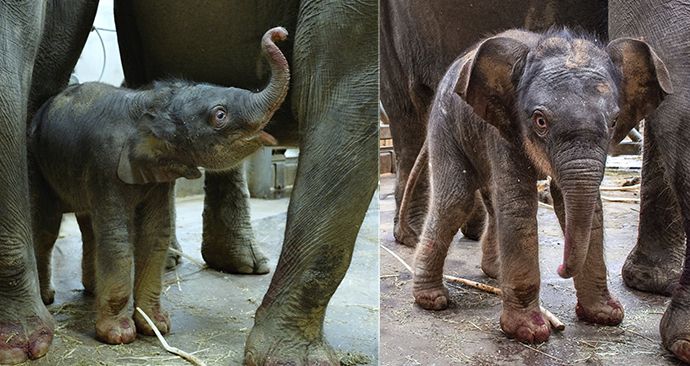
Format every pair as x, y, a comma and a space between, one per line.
262, 105
276, 34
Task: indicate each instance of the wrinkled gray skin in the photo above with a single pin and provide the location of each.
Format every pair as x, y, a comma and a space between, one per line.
515, 107
659, 262
330, 112
416, 49
40, 42
111, 155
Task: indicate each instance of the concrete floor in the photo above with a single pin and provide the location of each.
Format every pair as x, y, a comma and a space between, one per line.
211, 312
468, 332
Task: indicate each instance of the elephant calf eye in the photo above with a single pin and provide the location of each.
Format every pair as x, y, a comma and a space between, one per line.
541, 125
219, 117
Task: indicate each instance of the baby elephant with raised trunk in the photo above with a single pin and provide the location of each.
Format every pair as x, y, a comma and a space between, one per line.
517, 106
111, 155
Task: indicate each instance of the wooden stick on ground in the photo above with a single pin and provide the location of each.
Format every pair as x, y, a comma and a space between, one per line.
174, 350
626, 188
542, 204
552, 319
620, 199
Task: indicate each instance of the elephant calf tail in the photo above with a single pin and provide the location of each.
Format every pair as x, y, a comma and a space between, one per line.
420, 164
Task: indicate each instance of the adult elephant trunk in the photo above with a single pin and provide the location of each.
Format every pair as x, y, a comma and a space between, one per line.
579, 181
261, 106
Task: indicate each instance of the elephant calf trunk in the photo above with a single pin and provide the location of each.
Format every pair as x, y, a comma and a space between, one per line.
580, 189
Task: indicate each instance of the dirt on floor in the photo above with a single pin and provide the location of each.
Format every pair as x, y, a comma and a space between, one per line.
212, 312
468, 332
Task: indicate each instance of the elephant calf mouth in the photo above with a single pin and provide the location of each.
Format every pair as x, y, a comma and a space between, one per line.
264, 138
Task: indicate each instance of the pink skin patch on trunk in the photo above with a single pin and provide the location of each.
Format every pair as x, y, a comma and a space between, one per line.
563, 271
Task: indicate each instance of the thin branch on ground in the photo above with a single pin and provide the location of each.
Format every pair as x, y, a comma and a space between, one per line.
188, 257
562, 361
542, 204
635, 187
174, 350
620, 199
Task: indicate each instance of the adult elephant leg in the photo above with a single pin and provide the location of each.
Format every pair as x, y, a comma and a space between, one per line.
26, 327
335, 98
675, 324
406, 102
228, 240
655, 262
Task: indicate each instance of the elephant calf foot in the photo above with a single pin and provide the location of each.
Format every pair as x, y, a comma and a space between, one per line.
270, 345
675, 325
644, 274
115, 330
26, 339
242, 258
431, 296
491, 266
48, 295
525, 325
405, 235
606, 311
159, 317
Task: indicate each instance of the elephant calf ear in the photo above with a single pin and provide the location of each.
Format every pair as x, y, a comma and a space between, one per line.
137, 166
644, 84
488, 76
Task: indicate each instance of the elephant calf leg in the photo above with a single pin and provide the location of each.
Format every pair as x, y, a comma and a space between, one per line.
152, 224
113, 267
88, 277
46, 226
521, 317
491, 263
228, 241
473, 227
450, 206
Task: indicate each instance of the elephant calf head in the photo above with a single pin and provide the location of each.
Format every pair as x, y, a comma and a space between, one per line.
560, 95
183, 125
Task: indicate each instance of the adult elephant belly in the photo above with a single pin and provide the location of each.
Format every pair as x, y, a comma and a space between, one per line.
213, 42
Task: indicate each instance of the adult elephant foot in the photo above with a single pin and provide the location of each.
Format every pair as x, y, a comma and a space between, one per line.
228, 240
26, 330
652, 272
525, 325
269, 344
604, 310
675, 325
227, 255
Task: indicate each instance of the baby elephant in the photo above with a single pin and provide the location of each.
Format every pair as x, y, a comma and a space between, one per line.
515, 107
111, 155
